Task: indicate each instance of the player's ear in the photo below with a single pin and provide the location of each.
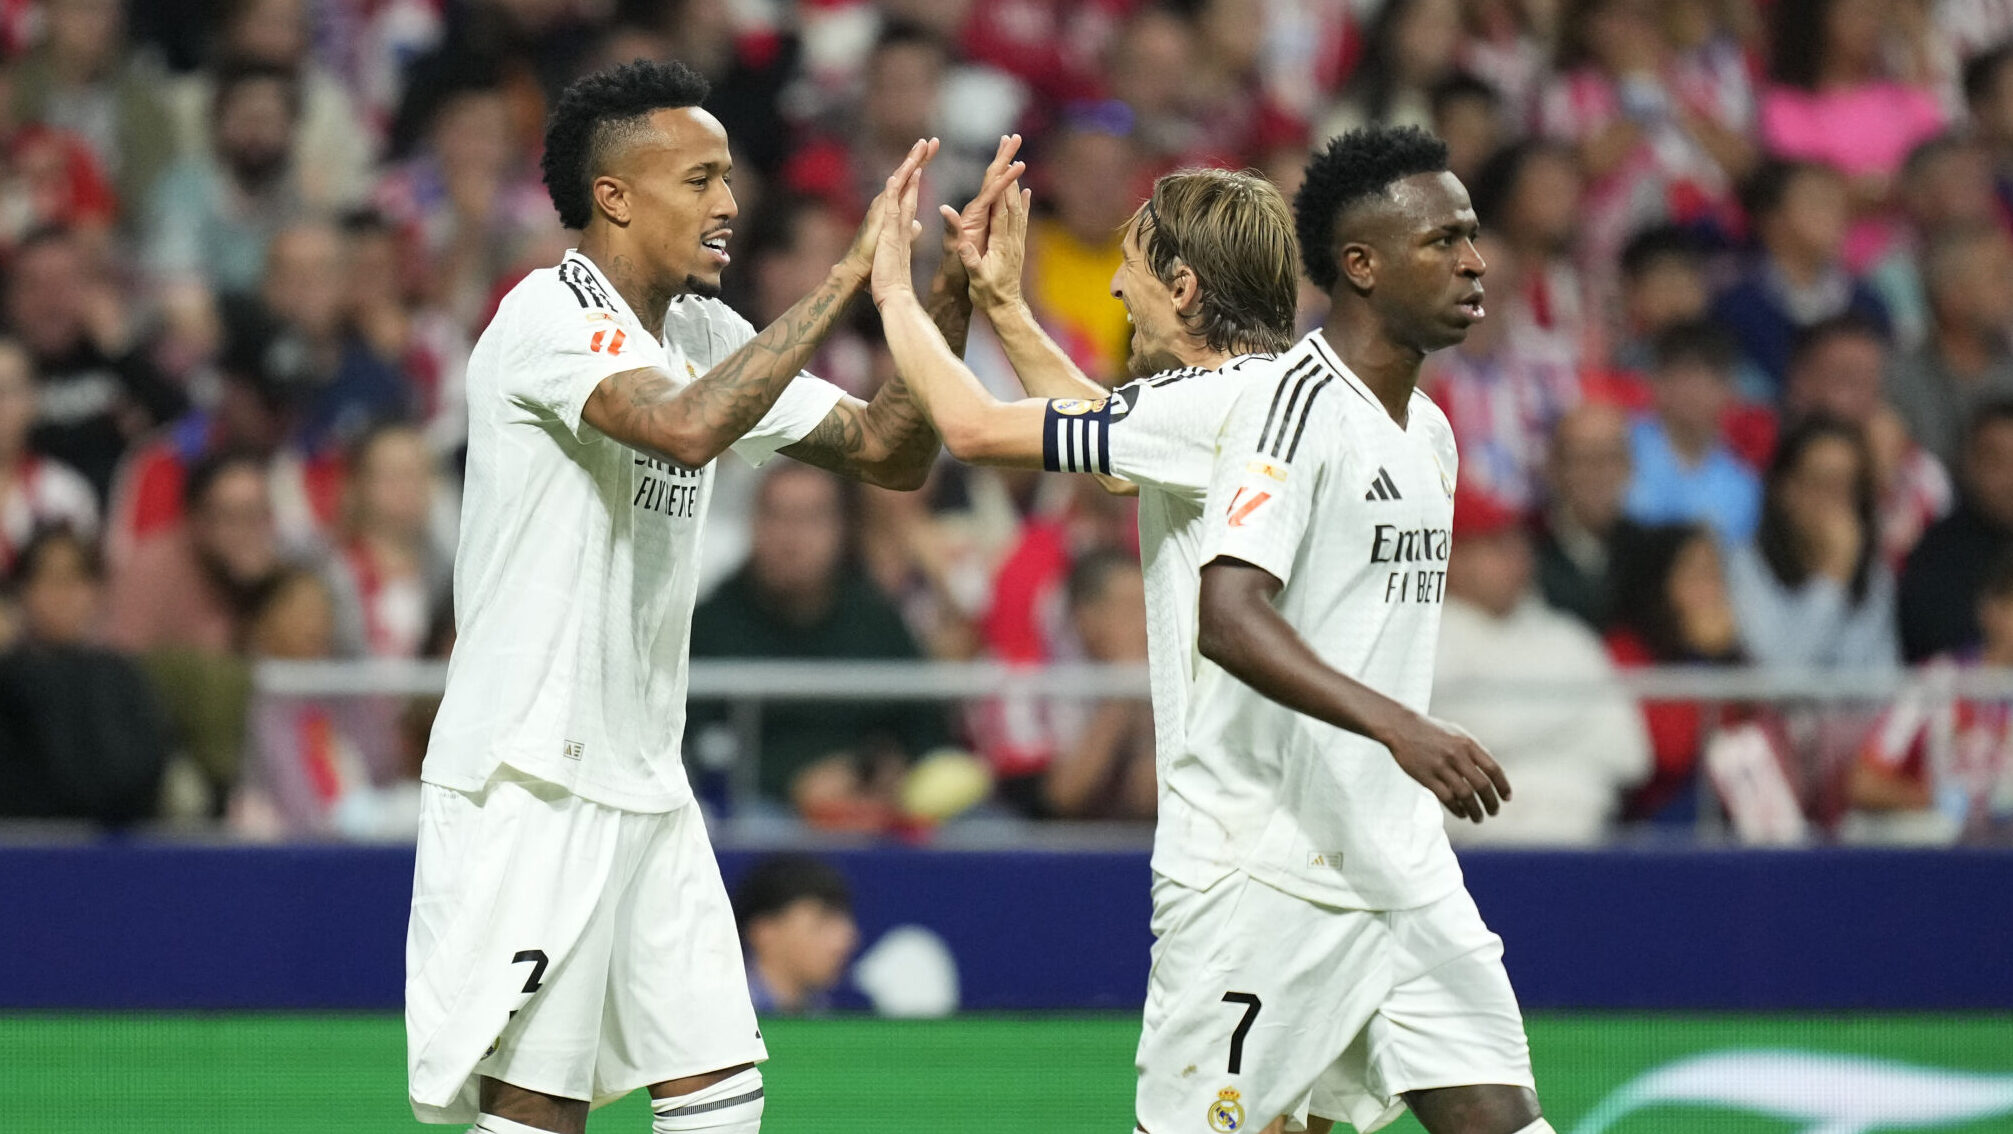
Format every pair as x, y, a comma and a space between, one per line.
1358, 264
1185, 290
611, 198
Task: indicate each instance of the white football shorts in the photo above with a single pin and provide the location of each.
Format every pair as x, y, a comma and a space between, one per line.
1261, 1004
567, 948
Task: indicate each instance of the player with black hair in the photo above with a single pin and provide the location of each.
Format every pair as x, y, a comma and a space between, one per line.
1318, 957
571, 940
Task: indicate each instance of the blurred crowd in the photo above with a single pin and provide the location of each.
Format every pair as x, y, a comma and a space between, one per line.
1744, 394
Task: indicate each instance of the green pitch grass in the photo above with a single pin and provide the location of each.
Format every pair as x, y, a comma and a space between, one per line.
226, 1074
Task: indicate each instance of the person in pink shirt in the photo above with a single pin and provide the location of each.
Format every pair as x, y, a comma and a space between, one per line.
1831, 99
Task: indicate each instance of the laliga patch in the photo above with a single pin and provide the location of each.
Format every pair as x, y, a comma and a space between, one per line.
1075, 407
1226, 1114
1265, 467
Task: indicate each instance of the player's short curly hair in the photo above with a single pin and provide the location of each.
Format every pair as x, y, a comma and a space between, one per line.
593, 113
1350, 169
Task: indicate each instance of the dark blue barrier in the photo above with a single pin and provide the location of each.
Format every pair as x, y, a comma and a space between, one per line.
136, 925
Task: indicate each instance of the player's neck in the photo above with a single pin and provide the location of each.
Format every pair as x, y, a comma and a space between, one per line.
1390, 369
647, 297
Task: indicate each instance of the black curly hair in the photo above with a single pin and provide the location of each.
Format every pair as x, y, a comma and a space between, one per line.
1350, 169
593, 113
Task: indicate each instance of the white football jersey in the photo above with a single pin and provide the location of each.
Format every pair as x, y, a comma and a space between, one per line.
1159, 433
578, 565
1317, 485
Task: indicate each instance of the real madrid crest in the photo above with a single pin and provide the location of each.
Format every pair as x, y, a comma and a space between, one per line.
1226, 1114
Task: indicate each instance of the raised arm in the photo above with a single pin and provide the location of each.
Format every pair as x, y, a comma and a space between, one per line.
949, 301
995, 267
646, 410
1241, 630
976, 427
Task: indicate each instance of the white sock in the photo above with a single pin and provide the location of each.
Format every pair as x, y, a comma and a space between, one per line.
731, 1106
1538, 1127
490, 1124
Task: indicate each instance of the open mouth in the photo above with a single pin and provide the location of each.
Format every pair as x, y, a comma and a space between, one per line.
1471, 306
716, 243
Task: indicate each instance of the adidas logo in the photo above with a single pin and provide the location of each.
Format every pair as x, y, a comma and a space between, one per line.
1382, 488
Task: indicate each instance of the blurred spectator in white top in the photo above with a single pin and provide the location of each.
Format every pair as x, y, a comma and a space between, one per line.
1837, 372
35, 491
1530, 196
214, 213
1570, 753
1811, 589
1967, 360
333, 146
388, 576
82, 78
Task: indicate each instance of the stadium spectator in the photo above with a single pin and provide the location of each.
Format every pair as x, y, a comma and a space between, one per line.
1661, 137
389, 575
801, 596
213, 213
1797, 213
1832, 99
795, 914
1104, 768
1092, 187
1529, 196
1988, 96
1408, 49
1501, 397
1671, 608
81, 77
1939, 586
1811, 589
1968, 357
35, 491
97, 389
1467, 114
333, 146
1663, 283
1147, 69
316, 767
900, 100
1583, 525
401, 326
1946, 183
48, 178
335, 380
80, 733
1570, 757
1837, 371
1684, 470
255, 410
1936, 764
192, 586
466, 202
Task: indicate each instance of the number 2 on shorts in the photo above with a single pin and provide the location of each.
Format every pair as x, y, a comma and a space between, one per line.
1251, 1007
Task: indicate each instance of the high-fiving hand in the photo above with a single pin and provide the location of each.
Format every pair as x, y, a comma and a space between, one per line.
972, 224
866, 242
898, 227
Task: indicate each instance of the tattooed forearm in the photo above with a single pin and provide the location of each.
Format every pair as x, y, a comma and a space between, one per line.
888, 441
950, 307
693, 425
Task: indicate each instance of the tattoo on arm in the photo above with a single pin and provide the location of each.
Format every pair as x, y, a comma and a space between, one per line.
950, 309
888, 441
645, 409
